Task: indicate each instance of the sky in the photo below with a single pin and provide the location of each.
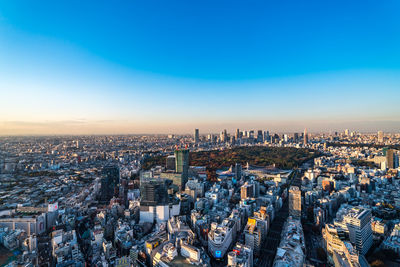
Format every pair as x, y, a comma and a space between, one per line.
126, 67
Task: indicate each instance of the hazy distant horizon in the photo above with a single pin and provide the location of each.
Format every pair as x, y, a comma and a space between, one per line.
86, 128
150, 67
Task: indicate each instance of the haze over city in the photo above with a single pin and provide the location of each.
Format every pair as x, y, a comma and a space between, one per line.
207, 133
150, 67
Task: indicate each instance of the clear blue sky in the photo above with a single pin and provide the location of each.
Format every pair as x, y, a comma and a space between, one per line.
170, 66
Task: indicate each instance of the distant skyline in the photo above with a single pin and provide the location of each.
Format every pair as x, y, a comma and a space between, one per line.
169, 67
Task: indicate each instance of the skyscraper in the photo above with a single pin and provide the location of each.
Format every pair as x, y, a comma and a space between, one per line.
285, 137
260, 138
358, 222
266, 136
233, 140
247, 191
305, 136
237, 134
196, 136
251, 134
238, 171
295, 202
296, 137
390, 158
153, 192
109, 182
182, 164
380, 136
170, 163
223, 136
181, 160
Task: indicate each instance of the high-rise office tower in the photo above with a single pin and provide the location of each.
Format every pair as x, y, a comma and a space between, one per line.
237, 134
109, 182
390, 156
358, 221
295, 202
296, 137
286, 138
170, 163
182, 164
233, 140
238, 171
223, 136
305, 136
266, 136
181, 160
346, 132
153, 192
260, 136
251, 134
380, 136
247, 191
196, 136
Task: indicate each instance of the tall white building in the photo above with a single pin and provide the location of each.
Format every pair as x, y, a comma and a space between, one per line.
358, 221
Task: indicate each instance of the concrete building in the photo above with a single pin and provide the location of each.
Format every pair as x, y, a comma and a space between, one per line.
170, 163
253, 233
380, 136
109, 182
305, 141
220, 238
291, 250
392, 242
153, 192
182, 165
195, 188
247, 191
358, 223
34, 224
196, 136
390, 159
238, 171
240, 256
295, 201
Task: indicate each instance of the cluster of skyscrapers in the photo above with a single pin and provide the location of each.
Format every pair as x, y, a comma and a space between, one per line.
101, 205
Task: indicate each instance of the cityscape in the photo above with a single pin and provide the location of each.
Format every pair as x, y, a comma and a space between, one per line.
204, 133
134, 200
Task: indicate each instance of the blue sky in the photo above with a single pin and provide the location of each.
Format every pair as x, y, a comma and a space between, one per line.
170, 66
